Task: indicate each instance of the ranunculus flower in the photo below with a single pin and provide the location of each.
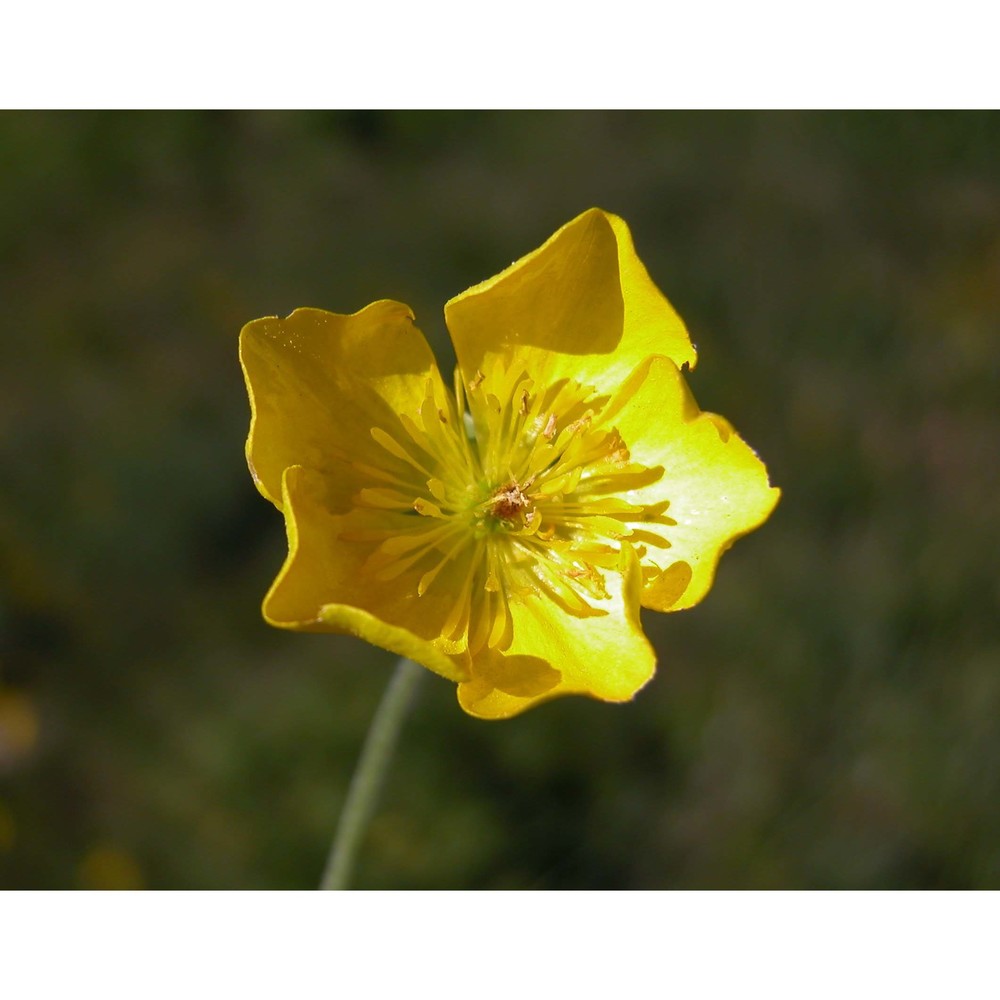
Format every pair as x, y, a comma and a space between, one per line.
503, 533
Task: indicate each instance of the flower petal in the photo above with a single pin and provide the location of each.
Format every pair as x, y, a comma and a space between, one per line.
582, 306
717, 487
554, 653
319, 588
319, 382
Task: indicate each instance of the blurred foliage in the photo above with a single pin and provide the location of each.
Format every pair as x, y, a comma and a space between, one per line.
828, 717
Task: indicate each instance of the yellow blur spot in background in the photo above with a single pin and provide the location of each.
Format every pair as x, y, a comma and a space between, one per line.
18, 726
107, 867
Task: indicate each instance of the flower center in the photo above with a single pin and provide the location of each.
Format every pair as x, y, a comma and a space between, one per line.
512, 505
532, 501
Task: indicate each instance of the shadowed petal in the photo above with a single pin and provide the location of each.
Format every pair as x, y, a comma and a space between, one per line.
323, 586
582, 306
319, 382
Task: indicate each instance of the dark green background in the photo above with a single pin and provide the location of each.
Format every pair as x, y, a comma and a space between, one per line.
828, 718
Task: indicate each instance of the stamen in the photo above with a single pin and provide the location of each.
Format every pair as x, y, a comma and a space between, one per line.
427, 509
431, 575
392, 446
458, 618
383, 499
388, 477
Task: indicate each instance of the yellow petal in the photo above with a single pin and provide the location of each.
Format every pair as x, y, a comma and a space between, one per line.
582, 306
555, 653
319, 382
322, 586
716, 485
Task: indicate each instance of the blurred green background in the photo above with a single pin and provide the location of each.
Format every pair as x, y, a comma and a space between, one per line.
828, 718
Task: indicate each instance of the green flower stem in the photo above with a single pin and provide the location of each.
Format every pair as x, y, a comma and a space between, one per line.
369, 774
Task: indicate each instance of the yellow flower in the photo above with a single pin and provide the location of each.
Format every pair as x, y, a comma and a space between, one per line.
503, 534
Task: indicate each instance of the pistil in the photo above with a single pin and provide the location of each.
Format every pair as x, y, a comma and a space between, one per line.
511, 504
